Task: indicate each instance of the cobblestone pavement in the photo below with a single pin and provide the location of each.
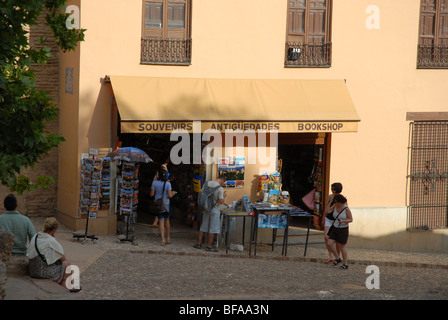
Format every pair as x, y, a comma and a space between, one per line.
179, 271
149, 271
121, 274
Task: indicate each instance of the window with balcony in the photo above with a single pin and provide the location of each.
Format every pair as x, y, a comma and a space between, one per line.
166, 32
433, 35
308, 42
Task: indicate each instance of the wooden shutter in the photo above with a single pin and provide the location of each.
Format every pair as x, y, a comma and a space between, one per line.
434, 22
153, 19
166, 19
297, 21
309, 20
176, 19
427, 22
443, 23
317, 27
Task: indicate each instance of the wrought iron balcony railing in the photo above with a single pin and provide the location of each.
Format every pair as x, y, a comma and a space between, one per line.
432, 56
166, 51
300, 54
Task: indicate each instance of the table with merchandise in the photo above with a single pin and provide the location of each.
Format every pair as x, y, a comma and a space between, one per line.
273, 216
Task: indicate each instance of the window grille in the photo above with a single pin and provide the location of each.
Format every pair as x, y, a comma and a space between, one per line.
166, 51
307, 54
428, 172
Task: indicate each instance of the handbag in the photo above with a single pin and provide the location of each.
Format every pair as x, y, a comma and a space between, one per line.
332, 225
38, 252
157, 206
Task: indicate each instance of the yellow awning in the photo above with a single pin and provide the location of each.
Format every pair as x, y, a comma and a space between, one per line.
150, 104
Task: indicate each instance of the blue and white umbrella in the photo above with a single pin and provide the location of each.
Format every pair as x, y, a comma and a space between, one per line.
130, 154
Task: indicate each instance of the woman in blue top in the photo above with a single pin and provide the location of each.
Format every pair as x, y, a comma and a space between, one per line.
161, 188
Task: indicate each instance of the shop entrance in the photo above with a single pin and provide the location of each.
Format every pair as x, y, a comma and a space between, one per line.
302, 164
303, 172
182, 177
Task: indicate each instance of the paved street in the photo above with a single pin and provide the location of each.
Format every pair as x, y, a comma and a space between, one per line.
178, 272
122, 274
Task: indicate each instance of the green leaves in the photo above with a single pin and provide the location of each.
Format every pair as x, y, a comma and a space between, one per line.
24, 110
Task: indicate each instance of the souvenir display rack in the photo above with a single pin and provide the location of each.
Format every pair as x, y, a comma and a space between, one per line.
105, 185
317, 178
91, 170
129, 197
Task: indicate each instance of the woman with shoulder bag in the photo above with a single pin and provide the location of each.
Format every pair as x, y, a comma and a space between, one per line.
47, 259
338, 232
327, 221
161, 189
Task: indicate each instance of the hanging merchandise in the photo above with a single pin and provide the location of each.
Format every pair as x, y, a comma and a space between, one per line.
90, 194
90, 187
197, 183
234, 169
263, 188
129, 197
105, 185
316, 178
269, 188
127, 185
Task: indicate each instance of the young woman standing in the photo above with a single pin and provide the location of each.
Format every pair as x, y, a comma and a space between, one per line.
339, 234
336, 188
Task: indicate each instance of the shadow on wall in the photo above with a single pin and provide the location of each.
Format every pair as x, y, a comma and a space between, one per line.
419, 241
100, 120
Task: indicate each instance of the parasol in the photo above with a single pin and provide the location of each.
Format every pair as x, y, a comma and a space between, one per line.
130, 154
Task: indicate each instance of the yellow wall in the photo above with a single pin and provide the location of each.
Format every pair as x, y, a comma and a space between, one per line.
246, 39
228, 42
68, 180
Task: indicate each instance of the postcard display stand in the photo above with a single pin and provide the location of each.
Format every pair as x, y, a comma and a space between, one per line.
105, 185
129, 198
91, 169
316, 178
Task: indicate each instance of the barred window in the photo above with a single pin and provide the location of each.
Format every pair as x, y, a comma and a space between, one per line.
428, 172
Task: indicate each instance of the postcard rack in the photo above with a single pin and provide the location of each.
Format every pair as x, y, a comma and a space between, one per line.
129, 198
91, 169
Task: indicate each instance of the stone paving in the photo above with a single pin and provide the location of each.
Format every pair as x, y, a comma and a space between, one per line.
121, 274
179, 271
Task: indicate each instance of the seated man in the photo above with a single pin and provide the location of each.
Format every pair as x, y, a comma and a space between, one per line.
17, 224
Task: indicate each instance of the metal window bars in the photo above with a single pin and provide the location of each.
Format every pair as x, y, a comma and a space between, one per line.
166, 51
428, 176
311, 54
432, 56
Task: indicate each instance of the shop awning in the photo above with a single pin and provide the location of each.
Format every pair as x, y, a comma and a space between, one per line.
149, 105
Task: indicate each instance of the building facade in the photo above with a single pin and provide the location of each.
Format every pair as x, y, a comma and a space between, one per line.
377, 68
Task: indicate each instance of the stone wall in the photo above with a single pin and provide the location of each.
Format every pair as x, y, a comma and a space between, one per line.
6, 243
40, 202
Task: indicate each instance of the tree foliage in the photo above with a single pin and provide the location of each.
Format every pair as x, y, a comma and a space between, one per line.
24, 110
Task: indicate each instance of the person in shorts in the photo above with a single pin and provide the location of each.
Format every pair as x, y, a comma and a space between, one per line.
327, 221
339, 233
161, 188
211, 220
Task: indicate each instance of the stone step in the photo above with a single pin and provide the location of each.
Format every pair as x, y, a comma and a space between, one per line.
17, 265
